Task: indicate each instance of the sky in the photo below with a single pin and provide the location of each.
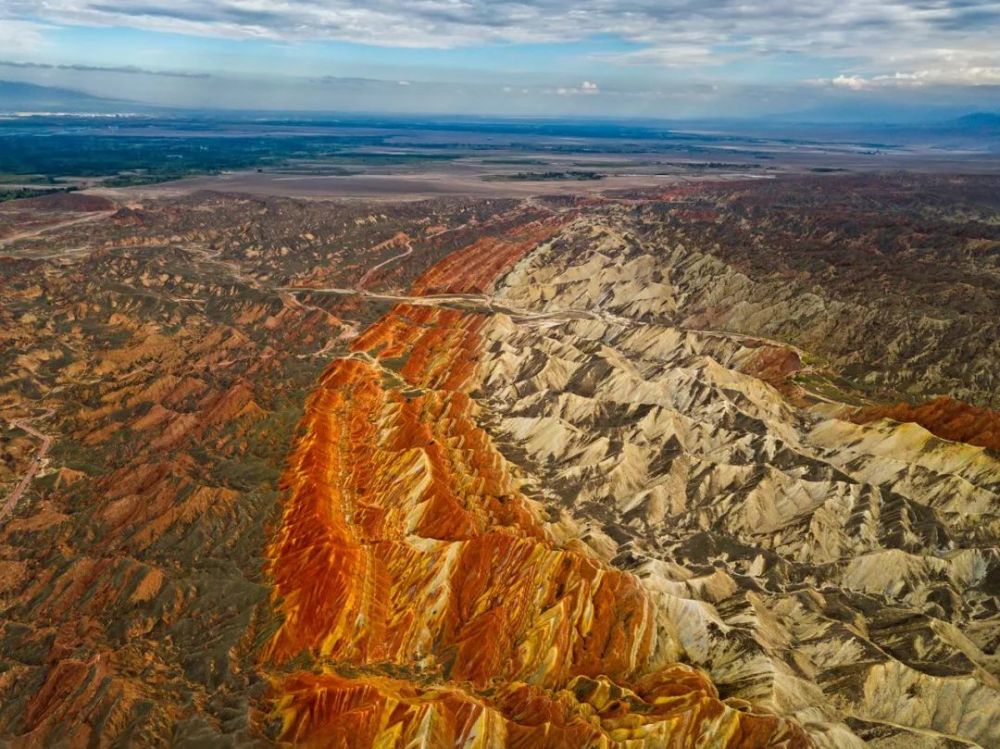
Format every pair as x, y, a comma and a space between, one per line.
846, 59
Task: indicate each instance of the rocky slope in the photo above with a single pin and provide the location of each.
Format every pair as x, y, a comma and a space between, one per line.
893, 281
714, 467
840, 573
155, 347
407, 549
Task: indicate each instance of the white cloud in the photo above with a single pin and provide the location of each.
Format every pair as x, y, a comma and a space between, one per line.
984, 76
853, 82
675, 55
21, 38
671, 30
587, 88
865, 44
944, 67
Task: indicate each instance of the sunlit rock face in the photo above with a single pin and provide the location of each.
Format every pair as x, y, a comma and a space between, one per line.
435, 602
474, 268
841, 573
577, 517
944, 417
636, 474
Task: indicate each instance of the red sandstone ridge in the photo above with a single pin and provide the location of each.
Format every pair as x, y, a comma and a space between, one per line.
486, 511
775, 365
473, 269
670, 710
421, 583
944, 417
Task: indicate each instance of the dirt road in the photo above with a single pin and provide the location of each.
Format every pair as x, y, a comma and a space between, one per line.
400, 238
29, 234
36, 465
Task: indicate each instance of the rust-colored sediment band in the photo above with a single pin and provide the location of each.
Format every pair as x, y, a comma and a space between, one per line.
473, 269
943, 417
422, 585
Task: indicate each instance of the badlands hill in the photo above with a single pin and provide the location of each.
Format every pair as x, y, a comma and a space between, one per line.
716, 466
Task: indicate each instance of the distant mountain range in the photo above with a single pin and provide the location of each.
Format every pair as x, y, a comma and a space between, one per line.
982, 121
29, 97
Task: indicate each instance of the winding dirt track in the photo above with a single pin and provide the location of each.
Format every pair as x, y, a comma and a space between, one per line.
488, 304
399, 238
31, 233
46, 444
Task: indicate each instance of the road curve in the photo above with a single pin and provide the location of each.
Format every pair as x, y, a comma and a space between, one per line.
43, 450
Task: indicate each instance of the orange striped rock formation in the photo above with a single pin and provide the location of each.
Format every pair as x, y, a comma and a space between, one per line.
943, 417
474, 268
424, 601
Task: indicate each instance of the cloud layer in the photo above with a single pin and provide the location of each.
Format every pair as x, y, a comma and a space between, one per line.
687, 26
845, 47
126, 69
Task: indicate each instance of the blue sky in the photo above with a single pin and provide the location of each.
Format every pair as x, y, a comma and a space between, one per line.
659, 58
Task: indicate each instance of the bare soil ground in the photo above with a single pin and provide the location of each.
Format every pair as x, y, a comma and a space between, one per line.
394, 187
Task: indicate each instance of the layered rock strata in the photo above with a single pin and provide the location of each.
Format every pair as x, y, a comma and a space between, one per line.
434, 602
495, 516
841, 573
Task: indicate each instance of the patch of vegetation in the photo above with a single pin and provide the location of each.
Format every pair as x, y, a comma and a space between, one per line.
17, 193
388, 159
150, 152
26, 179
570, 176
516, 162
